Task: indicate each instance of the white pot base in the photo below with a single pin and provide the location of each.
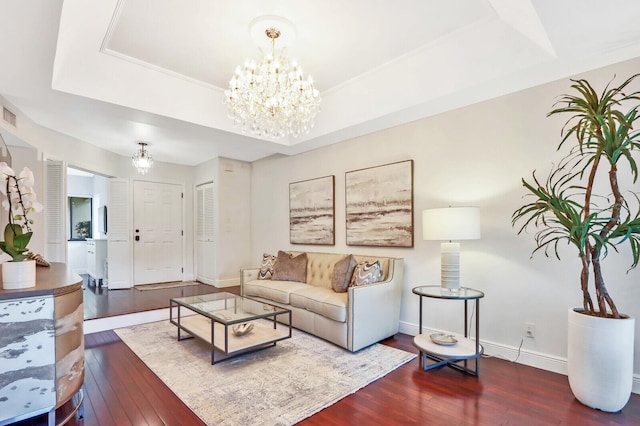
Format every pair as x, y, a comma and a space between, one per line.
600, 360
18, 275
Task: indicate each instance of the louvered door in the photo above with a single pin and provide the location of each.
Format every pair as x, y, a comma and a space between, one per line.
205, 235
55, 211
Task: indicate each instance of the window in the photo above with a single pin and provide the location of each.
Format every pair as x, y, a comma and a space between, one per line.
80, 211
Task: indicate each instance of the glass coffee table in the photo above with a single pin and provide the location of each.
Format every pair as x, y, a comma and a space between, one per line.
231, 324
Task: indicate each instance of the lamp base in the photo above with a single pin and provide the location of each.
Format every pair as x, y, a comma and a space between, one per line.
450, 266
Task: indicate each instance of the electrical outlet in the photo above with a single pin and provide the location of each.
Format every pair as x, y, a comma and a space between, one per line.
530, 330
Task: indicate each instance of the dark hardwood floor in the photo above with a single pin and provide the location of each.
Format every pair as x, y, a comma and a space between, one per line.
121, 390
99, 302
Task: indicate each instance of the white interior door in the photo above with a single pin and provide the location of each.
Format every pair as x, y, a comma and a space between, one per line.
157, 232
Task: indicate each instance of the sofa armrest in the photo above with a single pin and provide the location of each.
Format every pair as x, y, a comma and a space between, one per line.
248, 275
374, 309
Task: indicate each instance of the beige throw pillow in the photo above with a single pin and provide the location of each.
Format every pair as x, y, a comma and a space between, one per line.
266, 266
289, 268
342, 272
366, 273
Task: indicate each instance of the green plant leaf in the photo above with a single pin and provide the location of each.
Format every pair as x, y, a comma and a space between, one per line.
565, 207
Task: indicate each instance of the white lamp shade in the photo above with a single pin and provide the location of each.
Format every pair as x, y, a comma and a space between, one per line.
451, 223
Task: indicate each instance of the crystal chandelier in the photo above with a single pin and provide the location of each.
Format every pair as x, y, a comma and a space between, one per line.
272, 98
142, 160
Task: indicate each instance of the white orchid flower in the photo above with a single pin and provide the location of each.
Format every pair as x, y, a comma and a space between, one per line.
15, 197
37, 207
25, 189
26, 177
20, 197
6, 170
28, 196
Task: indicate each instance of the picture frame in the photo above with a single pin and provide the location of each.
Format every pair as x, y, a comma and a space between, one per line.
312, 211
379, 205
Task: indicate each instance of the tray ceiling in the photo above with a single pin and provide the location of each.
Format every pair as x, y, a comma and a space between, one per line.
113, 72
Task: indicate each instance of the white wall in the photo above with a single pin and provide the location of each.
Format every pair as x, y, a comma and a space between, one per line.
234, 219
100, 199
475, 155
232, 198
77, 256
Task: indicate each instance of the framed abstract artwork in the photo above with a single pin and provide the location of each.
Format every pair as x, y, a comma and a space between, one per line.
312, 211
379, 205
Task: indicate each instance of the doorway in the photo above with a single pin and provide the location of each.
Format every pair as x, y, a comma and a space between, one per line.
83, 224
157, 232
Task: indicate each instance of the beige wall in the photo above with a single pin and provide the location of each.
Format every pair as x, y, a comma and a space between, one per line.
475, 155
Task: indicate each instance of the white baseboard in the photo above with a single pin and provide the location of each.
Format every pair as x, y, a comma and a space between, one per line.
220, 283
231, 282
510, 353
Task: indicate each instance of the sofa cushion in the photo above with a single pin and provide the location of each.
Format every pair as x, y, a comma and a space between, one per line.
266, 266
320, 268
366, 273
290, 268
322, 301
278, 291
342, 272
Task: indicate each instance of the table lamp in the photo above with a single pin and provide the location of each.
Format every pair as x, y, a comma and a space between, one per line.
448, 224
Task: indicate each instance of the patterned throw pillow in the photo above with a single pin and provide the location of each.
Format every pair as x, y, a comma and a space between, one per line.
266, 267
342, 273
366, 273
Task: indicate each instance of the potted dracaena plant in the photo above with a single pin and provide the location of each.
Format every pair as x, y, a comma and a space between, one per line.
567, 208
20, 200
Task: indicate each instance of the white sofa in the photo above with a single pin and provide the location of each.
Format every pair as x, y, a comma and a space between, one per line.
355, 319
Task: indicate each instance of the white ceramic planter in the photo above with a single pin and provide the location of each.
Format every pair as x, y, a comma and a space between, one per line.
600, 360
17, 275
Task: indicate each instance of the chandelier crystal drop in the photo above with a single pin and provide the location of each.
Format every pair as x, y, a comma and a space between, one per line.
142, 160
271, 98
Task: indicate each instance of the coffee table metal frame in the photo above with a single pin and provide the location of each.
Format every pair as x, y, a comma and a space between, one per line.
228, 312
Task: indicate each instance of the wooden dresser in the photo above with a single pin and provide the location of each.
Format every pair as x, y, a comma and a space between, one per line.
41, 345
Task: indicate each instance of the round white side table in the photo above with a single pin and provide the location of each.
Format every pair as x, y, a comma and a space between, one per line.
455, 355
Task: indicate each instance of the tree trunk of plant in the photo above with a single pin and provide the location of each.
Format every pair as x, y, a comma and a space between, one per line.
602, 295
587, 303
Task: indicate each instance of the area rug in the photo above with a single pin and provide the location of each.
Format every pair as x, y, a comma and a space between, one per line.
160, 286
280, 385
